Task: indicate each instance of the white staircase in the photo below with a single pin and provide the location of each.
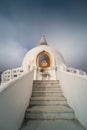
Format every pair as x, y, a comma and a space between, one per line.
49, 104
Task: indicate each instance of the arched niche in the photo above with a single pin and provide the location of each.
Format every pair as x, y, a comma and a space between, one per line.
44, 60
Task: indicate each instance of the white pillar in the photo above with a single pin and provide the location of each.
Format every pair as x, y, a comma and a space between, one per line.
35, 73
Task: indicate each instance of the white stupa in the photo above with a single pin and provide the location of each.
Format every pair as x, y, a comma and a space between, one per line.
43, 57
43, 87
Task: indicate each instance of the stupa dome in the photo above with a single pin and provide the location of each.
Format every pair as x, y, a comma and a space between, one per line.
30, 58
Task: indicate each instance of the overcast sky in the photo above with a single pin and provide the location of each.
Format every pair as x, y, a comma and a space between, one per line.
23, 22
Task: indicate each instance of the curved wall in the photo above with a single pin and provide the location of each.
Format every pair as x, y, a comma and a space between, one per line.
75, 90
14, 99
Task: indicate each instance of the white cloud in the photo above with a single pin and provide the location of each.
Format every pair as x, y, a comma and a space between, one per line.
11, 54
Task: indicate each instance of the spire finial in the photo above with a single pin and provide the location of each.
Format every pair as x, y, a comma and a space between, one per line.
43, 41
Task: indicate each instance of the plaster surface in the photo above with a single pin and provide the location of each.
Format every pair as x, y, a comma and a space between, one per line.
52, 125
14, 100
74, 88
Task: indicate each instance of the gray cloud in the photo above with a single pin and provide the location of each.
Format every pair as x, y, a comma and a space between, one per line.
11, 55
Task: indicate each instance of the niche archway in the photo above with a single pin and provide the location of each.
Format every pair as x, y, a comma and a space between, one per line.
44, 60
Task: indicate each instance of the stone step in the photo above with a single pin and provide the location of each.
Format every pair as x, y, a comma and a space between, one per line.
49, 116
46, 102
46, 81
48, 98
47, 94
52, 125
47, 85
46, 88
51, 109
48, 107
50, 112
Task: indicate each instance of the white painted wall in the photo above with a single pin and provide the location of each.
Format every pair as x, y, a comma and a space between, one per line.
75, 90
51, 74
14, 99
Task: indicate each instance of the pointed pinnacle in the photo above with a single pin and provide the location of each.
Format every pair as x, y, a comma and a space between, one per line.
43, 41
